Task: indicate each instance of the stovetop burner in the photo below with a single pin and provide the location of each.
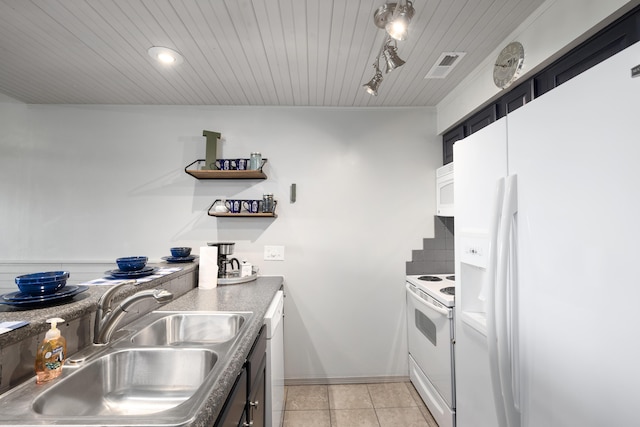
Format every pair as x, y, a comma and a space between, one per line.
430, 278
449, 290
451, 278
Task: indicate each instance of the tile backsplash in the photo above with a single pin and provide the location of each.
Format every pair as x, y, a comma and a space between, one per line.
437, 254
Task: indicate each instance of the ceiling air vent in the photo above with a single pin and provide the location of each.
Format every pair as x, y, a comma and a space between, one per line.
444, 65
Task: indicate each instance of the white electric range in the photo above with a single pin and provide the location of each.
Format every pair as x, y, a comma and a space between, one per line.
441, 287
430, 327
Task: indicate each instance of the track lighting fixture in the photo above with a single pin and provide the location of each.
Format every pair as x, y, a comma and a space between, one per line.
391, 57
394, 18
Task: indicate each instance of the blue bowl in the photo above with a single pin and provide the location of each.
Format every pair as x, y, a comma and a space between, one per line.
43, 277
42, 286
180, 252
131, 263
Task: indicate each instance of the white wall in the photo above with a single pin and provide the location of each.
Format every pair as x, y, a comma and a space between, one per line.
97, 182
14, 144
555, 27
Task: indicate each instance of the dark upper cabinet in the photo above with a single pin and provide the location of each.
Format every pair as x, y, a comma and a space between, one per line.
474, 124
448, 139
515, 98
482, 119
614, 38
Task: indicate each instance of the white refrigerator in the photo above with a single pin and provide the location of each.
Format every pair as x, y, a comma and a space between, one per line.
547, 234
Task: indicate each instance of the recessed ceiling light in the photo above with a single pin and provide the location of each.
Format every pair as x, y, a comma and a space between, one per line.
164, 55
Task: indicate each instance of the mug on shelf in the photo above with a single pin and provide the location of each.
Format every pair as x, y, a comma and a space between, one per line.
220, 206
242, 164
251, 206
234, 206
225, 164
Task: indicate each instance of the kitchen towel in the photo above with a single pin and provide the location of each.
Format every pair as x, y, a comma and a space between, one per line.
208, 276
108, 281
10, 326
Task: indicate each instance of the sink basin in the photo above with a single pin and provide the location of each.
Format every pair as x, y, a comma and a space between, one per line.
159, 370
129, 382
184, 329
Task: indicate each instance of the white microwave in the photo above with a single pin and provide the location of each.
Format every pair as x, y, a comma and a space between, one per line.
444, 190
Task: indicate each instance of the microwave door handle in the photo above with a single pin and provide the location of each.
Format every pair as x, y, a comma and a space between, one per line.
427, 303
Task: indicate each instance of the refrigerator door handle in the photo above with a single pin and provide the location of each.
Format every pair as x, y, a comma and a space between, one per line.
489, 293
505, 305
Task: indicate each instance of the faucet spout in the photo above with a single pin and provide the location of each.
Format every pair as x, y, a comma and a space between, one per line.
107, 319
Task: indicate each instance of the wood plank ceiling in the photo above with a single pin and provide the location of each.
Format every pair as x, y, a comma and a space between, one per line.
238, 52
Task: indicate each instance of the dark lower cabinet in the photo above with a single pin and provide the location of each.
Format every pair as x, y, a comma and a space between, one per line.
245, 406
256, 408
233, 413
256, 367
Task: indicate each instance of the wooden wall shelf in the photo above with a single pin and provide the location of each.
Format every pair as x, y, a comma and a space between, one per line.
243, 214
193, 170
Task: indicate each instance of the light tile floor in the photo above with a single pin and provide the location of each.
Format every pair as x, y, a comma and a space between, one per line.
356, 405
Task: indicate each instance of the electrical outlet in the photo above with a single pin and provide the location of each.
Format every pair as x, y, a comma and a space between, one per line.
274, 253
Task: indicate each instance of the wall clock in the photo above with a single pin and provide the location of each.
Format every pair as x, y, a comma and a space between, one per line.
508, 65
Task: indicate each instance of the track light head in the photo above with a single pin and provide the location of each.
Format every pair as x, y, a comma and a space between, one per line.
374, 83
391, 57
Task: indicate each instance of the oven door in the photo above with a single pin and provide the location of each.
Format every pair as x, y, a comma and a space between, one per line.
430, 333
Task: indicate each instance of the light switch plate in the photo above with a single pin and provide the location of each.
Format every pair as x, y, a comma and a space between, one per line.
274, 253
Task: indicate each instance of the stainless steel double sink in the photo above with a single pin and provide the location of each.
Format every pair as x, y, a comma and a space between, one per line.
159, 371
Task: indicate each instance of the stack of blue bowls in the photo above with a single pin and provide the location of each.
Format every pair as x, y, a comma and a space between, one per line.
41, 284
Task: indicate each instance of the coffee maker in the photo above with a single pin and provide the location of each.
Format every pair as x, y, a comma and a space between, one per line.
225, 263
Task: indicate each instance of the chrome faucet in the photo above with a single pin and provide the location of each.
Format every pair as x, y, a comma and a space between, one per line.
107, 318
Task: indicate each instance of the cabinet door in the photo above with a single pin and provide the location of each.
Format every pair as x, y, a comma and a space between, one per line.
516, 98
233, 412
256, 408
257, 353
448, 140
600, 47
256, 366
481, 119
245, 405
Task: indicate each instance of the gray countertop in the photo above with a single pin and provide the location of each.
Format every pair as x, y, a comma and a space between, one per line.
81, 305
254, 296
